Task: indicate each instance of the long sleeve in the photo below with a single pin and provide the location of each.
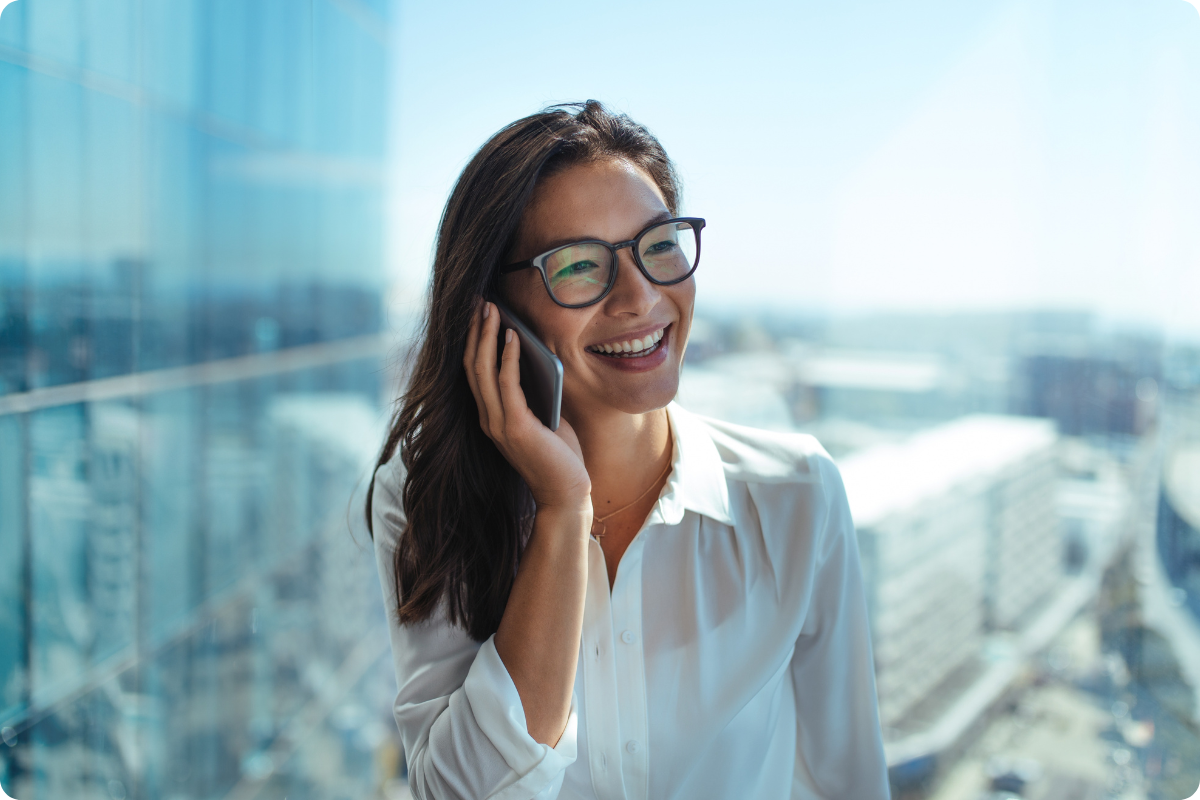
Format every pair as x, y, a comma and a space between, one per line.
839, 744
459, 714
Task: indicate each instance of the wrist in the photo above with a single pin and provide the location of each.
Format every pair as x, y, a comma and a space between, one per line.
565, 500
567, 507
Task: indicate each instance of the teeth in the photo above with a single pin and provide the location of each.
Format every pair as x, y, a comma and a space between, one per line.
631, 346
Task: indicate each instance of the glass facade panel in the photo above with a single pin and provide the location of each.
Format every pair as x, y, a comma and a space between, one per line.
14, 638
191, 366
110, 48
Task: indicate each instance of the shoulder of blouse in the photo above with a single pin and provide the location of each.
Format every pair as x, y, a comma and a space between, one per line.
387, 508
785, 481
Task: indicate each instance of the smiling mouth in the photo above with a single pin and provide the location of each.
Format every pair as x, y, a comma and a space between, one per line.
631, 348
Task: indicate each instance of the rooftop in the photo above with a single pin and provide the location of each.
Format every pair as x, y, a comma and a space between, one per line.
881, 374
831, 368
889, 478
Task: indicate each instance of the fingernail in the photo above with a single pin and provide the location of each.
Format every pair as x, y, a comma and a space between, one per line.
508, 336
487, 309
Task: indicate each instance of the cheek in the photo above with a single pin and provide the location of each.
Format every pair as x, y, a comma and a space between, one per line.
560, 329
684, 298
519, 292
527, 297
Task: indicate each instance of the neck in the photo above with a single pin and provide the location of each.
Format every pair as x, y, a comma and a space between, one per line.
623, 453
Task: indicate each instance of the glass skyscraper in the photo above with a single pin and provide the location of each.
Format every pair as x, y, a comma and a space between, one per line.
192, 370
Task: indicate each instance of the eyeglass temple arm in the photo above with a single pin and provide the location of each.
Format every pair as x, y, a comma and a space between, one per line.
519, 265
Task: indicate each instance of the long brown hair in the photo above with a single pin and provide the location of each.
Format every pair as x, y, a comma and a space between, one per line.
468, 511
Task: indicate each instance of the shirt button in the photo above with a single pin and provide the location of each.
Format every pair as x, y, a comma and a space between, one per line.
627, 637
632, 746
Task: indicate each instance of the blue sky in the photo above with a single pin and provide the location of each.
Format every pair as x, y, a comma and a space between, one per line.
852, 156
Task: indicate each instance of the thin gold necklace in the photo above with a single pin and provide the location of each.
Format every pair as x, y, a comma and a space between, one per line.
599, 521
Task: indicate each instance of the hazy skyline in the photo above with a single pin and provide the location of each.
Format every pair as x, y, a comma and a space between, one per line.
931, 157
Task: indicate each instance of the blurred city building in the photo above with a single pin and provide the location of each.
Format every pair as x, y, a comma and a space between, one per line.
1178, 531
1094, 499
192, 363
958, 532
1090, 394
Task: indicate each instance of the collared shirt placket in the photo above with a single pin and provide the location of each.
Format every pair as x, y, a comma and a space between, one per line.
600, 682
631, 671
614, 677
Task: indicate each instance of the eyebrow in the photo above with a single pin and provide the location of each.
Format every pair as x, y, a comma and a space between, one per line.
551, 245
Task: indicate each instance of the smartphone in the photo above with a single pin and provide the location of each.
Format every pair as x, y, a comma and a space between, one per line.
541, 371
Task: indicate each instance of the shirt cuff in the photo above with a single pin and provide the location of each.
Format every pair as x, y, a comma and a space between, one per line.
497, 708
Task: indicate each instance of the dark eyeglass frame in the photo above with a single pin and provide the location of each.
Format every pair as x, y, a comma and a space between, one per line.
538, 262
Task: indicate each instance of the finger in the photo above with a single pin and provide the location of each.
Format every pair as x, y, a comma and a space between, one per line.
472, 344
469, 354
510, 377
485, 369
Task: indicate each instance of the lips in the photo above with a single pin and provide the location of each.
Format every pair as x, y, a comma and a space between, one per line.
633, 347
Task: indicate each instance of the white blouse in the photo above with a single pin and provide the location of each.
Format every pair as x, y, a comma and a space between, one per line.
732, 658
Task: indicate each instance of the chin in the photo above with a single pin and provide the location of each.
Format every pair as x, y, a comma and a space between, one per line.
644, 399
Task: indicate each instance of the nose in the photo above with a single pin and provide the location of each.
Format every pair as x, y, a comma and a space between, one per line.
631, 293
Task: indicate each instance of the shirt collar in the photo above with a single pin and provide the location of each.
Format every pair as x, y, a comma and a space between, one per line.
697, 480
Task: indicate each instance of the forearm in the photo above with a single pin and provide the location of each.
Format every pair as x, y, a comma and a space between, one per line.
538, 638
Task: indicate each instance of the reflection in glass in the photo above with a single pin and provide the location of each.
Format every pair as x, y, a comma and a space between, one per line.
190, 372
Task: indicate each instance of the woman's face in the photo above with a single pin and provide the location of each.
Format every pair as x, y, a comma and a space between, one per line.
610, 200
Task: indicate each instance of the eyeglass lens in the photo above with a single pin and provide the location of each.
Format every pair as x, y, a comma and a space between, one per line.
580, 273
668, 252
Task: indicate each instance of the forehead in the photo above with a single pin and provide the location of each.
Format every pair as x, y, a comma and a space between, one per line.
610, 200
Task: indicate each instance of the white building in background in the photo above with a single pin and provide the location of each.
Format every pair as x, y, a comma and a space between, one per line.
958, 530
1094, 501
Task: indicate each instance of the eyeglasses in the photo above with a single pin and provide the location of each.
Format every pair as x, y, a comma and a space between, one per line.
582, 273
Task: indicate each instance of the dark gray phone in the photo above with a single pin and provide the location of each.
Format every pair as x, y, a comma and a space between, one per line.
541, 371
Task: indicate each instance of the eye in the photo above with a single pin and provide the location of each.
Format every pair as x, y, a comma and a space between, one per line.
574, 269
659, 248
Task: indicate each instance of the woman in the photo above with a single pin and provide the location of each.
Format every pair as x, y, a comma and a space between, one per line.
644, 603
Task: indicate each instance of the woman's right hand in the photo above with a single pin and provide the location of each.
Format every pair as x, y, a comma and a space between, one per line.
551, 462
